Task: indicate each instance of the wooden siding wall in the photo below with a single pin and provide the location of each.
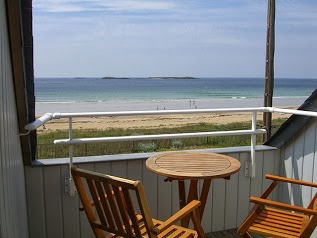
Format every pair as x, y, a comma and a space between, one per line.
53, 214
299, 161
13, 212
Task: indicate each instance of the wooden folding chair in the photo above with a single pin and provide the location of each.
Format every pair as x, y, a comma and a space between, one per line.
115, 211
276, 219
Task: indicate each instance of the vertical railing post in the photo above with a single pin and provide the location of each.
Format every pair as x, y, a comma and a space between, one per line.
70, 147
253, 144
70, 188
249, 168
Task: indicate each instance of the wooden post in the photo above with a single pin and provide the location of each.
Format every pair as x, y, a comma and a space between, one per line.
269, 67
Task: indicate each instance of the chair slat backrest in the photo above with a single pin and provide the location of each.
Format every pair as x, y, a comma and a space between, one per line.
114, 210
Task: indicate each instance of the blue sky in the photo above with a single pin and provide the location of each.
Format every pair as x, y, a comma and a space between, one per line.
201, 38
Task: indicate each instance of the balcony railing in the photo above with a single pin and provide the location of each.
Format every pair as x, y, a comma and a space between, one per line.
253, 131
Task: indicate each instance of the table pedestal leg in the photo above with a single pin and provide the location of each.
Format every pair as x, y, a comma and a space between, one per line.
193, 195
204, 196
181, 193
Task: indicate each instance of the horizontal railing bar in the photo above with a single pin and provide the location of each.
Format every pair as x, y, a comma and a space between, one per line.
49, 116
291, 111
39, 122
155, 137
155, 112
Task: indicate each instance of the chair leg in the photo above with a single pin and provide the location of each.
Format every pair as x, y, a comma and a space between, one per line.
197, 225
246, 235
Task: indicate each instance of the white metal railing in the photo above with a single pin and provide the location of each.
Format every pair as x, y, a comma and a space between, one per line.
71, 141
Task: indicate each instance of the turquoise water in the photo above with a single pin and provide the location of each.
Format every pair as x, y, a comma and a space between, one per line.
72, 90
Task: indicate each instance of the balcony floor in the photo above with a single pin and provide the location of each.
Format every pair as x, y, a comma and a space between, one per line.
228, 233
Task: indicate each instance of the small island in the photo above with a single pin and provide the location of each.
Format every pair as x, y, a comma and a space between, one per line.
114, 78
177, 77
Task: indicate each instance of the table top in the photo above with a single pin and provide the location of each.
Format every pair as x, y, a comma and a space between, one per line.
193, 165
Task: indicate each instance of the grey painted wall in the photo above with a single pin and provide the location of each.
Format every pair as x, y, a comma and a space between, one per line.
299, 161
13, 212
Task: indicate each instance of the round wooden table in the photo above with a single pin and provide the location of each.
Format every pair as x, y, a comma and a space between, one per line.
193, 166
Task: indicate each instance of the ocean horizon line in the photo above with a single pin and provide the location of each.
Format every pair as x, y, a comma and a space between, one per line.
151, 77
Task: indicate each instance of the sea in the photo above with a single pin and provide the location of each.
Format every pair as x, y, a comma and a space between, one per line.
135, 91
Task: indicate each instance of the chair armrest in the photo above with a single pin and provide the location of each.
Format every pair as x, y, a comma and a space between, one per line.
185, 211
289, 180
283, 206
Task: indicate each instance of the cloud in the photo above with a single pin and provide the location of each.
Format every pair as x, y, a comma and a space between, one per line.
138, 5
55, 6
